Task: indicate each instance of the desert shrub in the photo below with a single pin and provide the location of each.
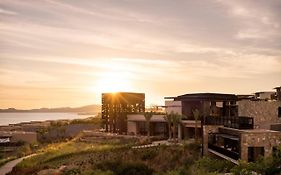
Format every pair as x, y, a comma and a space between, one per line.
90, 120
74, 171
100, 172
134, 169
173, 172
214, 165
192, 146
23, 150
148, 154
125, 168
268, 166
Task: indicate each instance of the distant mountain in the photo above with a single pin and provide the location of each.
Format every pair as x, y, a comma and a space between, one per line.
89, 109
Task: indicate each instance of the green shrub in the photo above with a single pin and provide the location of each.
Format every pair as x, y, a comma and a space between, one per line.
149, 154
214, 165
192, 146
268, 166
74, 171
125, 168
100, 172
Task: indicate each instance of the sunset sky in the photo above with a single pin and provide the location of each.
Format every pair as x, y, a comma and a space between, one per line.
56, 53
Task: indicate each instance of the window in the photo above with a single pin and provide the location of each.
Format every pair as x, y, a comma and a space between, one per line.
254, 153
279, 112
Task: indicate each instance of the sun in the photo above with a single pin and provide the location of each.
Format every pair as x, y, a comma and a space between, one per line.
114, 81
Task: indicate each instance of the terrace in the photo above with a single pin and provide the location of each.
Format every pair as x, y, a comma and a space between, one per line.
237, 122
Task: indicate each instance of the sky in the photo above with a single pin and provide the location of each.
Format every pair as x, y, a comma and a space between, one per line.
56, 53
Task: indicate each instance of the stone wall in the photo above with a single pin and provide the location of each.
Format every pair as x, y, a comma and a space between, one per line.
268, 140
263, 112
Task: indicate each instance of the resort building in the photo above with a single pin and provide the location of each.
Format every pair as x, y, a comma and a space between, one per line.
211, 107
231, 126
255, 134
12, 137
137, 125
264, 95
278, 93
116, 106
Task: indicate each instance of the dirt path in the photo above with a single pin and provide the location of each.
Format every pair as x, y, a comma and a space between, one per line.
10, 165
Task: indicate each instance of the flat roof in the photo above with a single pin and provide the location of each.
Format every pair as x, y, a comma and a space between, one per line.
261, 92
204, 96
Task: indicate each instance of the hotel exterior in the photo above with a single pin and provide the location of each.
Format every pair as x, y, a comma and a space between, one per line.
233, 127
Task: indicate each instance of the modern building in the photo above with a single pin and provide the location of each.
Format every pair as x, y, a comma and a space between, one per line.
244, 144
231, 126
211, 106
18, 136
278, 93
255, 134
264, 95
116, 106
137, 125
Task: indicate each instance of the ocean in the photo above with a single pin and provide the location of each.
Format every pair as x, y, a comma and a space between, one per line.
13, 118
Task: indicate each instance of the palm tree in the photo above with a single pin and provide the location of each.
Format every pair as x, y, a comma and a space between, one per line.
196, 115
176, 120
168, 119
148, 116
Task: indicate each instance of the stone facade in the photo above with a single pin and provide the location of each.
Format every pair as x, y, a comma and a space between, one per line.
266, 139
262, 138
264, 113
206, 130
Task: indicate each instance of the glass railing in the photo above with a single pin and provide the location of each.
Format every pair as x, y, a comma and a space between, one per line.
237, 122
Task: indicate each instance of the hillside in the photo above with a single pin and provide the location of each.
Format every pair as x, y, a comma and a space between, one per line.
82, 109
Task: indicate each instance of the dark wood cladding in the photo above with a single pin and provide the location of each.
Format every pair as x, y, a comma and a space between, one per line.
116, 106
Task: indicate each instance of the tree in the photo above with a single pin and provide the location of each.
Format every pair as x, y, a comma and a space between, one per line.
148, 116
196, 115
176, 119
168, 119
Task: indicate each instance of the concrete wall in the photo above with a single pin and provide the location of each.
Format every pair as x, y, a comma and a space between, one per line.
132, 128
263, 112
264, 95
175, 106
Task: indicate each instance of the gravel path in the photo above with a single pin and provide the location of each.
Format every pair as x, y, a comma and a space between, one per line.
10, 165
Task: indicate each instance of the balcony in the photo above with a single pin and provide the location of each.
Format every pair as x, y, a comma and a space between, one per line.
225, 146
237, 122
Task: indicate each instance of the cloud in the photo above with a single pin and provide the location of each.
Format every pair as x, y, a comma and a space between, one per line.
186, 43
258, 19
7, 12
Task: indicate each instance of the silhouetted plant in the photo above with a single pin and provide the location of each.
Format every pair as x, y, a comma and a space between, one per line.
148, 116
168, 119
196, 115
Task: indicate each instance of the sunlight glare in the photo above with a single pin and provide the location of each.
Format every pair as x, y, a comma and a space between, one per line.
113, 81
